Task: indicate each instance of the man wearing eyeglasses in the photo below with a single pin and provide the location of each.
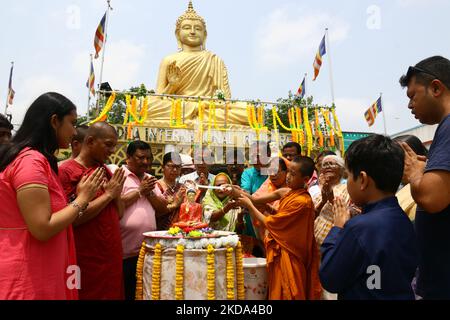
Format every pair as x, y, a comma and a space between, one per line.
428, 88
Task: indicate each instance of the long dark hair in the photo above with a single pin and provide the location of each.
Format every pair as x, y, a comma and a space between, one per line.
36, 131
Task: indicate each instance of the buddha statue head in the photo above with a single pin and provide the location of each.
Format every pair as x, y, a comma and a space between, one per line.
191, 30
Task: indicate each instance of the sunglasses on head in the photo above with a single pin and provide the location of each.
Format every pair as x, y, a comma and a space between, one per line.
415, 70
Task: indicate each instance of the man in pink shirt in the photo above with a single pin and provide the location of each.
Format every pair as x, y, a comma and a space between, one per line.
140, 198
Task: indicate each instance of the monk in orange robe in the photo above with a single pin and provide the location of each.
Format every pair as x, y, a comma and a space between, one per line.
291, 251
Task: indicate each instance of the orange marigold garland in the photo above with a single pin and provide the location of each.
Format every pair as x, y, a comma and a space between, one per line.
179, 277
211, 273
156, 273
240, 272
230, 274
139, 293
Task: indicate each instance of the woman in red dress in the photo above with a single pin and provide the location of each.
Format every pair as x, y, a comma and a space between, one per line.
37, 256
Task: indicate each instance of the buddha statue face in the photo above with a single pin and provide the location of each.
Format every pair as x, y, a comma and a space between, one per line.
191, 30
191, 33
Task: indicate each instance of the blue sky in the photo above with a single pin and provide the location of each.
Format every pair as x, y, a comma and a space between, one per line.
267, 46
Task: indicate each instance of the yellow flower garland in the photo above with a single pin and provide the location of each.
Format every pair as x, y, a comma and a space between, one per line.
156, 273
240, 272
211, 273
318, 130
179, 282
299, 126
308, 131
339, 131
230, 274
139, 293
104, 114
332, 131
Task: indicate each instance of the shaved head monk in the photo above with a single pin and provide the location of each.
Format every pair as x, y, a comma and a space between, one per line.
97, 232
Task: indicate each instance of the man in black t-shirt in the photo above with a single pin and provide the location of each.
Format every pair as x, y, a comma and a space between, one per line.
428, 85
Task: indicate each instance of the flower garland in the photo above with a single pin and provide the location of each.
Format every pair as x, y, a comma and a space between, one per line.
211, 273
104, 114
230, 274
339, 131
179, 282
255, 117
318, 131
308, 130
331, 130
240, 272
156, 273
131, 117
300, 126
176, 114
275, 127
139, 293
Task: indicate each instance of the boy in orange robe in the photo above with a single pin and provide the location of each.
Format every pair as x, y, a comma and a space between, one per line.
292, 254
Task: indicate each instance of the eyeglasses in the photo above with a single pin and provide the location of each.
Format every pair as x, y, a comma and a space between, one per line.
330, 165
415, 70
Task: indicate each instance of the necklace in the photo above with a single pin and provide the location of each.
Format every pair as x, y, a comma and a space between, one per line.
170, 198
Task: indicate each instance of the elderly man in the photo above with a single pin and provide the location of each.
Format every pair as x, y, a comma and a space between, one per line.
428, 84
97, 233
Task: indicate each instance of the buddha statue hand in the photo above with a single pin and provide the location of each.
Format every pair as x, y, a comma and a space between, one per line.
173, 74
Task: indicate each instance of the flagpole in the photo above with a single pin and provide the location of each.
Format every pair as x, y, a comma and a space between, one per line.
104, 49
384, 111
7, 92
304, 89
89, 89
329, 61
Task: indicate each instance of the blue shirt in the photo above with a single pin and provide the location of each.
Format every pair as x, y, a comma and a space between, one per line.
433, 230
251, 180
382, 236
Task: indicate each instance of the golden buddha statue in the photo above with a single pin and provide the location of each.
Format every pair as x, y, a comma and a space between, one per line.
193, 71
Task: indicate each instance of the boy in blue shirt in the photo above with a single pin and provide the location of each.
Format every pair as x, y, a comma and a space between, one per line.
374, 255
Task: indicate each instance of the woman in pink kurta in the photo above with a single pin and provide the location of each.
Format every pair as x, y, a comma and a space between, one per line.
31, 269
37, 254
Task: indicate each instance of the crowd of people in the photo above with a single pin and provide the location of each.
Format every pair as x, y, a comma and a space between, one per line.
372, 225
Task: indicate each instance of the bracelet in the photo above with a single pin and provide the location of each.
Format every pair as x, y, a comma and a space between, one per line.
81, 209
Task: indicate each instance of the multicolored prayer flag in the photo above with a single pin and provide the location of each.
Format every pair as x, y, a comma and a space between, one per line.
100, 36
318, 60
301, 90
11, 92
91, 81
373, 111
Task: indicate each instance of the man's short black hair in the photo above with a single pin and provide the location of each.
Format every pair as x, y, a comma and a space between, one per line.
380, 157
427, 70
135, 145
293, 145
306, 165
81, 133
4, 123
415, 144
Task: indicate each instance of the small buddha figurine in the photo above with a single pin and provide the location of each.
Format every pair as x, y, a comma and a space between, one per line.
193, 71
190, 210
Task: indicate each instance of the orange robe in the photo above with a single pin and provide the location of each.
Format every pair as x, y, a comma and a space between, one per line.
291, 251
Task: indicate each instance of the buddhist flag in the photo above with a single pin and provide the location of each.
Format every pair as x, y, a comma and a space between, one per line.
318, 60
301, 90
11, 92
91, 81
100, 36
373, 111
